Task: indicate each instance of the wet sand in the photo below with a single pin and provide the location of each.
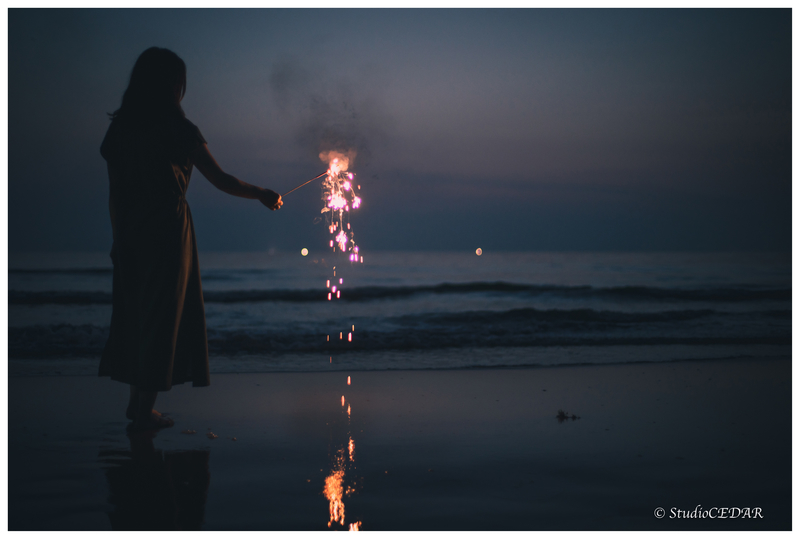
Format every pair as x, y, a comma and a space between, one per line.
431, 450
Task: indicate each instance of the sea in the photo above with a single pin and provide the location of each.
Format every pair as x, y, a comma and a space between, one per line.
271, 312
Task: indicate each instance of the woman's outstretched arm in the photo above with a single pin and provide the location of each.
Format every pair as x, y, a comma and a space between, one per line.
209, 168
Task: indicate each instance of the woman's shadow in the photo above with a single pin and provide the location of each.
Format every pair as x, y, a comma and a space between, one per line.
155, 490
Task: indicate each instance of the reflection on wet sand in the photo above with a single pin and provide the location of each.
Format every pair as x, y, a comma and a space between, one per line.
335, 488
334, 492
155, 490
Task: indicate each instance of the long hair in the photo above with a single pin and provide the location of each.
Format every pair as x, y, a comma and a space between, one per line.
157, 85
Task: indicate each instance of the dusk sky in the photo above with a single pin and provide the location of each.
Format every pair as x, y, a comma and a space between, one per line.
523, 129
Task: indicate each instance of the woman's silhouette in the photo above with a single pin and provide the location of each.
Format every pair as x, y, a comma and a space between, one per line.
158, 329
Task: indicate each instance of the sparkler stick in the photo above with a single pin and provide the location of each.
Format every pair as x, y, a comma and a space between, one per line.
306, 183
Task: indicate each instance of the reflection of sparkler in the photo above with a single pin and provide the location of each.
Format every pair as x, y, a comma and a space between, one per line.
334, 491
335, 483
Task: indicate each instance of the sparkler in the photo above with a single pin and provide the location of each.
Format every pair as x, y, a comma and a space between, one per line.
306, 183
340, 195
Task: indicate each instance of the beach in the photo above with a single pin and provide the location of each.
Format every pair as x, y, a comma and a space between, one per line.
469, 449
532, 269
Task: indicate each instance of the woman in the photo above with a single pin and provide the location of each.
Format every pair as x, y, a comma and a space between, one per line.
158, 329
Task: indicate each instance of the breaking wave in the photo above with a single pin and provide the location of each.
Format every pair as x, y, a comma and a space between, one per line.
372, 293
526, 327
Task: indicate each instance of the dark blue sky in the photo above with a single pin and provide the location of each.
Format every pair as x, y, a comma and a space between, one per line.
505, 129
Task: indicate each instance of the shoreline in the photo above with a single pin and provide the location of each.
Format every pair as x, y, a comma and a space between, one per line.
358, 361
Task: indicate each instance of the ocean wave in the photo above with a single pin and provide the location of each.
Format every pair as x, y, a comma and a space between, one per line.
373, 293
58, 340
473, 329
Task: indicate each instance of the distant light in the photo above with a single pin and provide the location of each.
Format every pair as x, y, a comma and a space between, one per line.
304, 252
479, 251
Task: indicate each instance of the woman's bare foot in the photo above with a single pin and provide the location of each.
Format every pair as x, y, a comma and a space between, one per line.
130, 413
154, 421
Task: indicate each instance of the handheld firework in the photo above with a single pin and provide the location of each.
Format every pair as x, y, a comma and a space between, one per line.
340, 195
306, 183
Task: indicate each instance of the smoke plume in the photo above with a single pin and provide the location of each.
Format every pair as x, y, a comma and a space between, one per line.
328, 114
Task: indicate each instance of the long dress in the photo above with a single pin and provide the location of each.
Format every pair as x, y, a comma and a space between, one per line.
158, 328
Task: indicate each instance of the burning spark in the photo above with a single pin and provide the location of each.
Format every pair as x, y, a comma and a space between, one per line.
342, 400
479, 251
342, 240
351, 447
339, 195
348, 380
349, 337
304, 251
336, 202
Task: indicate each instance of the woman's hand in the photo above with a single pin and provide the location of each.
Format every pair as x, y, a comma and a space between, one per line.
270, 199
